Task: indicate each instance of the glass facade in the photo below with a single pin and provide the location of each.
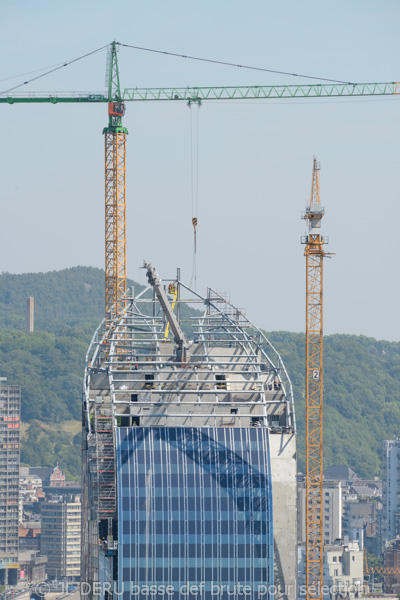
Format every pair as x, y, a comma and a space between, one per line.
194, 513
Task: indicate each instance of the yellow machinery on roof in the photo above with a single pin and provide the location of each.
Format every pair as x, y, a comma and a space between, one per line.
173, 290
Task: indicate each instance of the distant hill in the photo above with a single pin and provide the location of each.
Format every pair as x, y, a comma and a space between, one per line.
362, 375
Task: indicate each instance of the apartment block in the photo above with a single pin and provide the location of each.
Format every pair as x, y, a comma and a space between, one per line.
61, 537
332, 512
391, 489
10, 403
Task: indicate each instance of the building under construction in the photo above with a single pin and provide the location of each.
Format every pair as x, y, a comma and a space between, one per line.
189, 451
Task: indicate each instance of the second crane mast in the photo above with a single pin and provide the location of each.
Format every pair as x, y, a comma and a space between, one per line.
115, 188
314, 253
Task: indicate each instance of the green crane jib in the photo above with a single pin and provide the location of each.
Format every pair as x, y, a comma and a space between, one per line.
196, 94
116, 107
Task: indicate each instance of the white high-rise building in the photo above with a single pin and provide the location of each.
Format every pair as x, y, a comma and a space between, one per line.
391, 488
333, 511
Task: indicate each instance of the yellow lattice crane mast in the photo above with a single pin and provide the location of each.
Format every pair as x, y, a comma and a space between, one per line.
115, 184
314, 254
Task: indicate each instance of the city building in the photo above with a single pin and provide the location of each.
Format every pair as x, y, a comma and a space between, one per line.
49, 476
61, 537
363, 514
342, 571
29, 536
57, 478
10, 403
356, 534
32, 566
30, 487
365, 491
332, 512
373, 535
202, 489
343, 474
391, 489
391, 560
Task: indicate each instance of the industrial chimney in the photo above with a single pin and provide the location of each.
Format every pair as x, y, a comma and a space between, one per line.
30, 313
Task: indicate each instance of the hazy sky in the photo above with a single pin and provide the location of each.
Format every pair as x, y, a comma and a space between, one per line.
255, 159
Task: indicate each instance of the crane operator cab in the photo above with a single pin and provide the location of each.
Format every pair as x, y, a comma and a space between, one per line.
116, 109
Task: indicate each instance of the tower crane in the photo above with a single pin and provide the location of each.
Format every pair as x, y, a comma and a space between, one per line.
115, 185
314, 254
115, 142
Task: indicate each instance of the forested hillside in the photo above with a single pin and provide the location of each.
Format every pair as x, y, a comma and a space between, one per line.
67, 297
362, 375
361, 396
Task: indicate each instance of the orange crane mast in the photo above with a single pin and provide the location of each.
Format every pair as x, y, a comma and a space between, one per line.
115, 188
314, 254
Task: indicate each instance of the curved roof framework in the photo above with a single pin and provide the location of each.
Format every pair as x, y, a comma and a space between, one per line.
176, 358
227, 360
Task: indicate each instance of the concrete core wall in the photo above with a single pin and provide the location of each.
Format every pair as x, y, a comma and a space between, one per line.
284, 494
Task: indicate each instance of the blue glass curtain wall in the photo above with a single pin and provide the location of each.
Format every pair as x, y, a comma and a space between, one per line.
194, 513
